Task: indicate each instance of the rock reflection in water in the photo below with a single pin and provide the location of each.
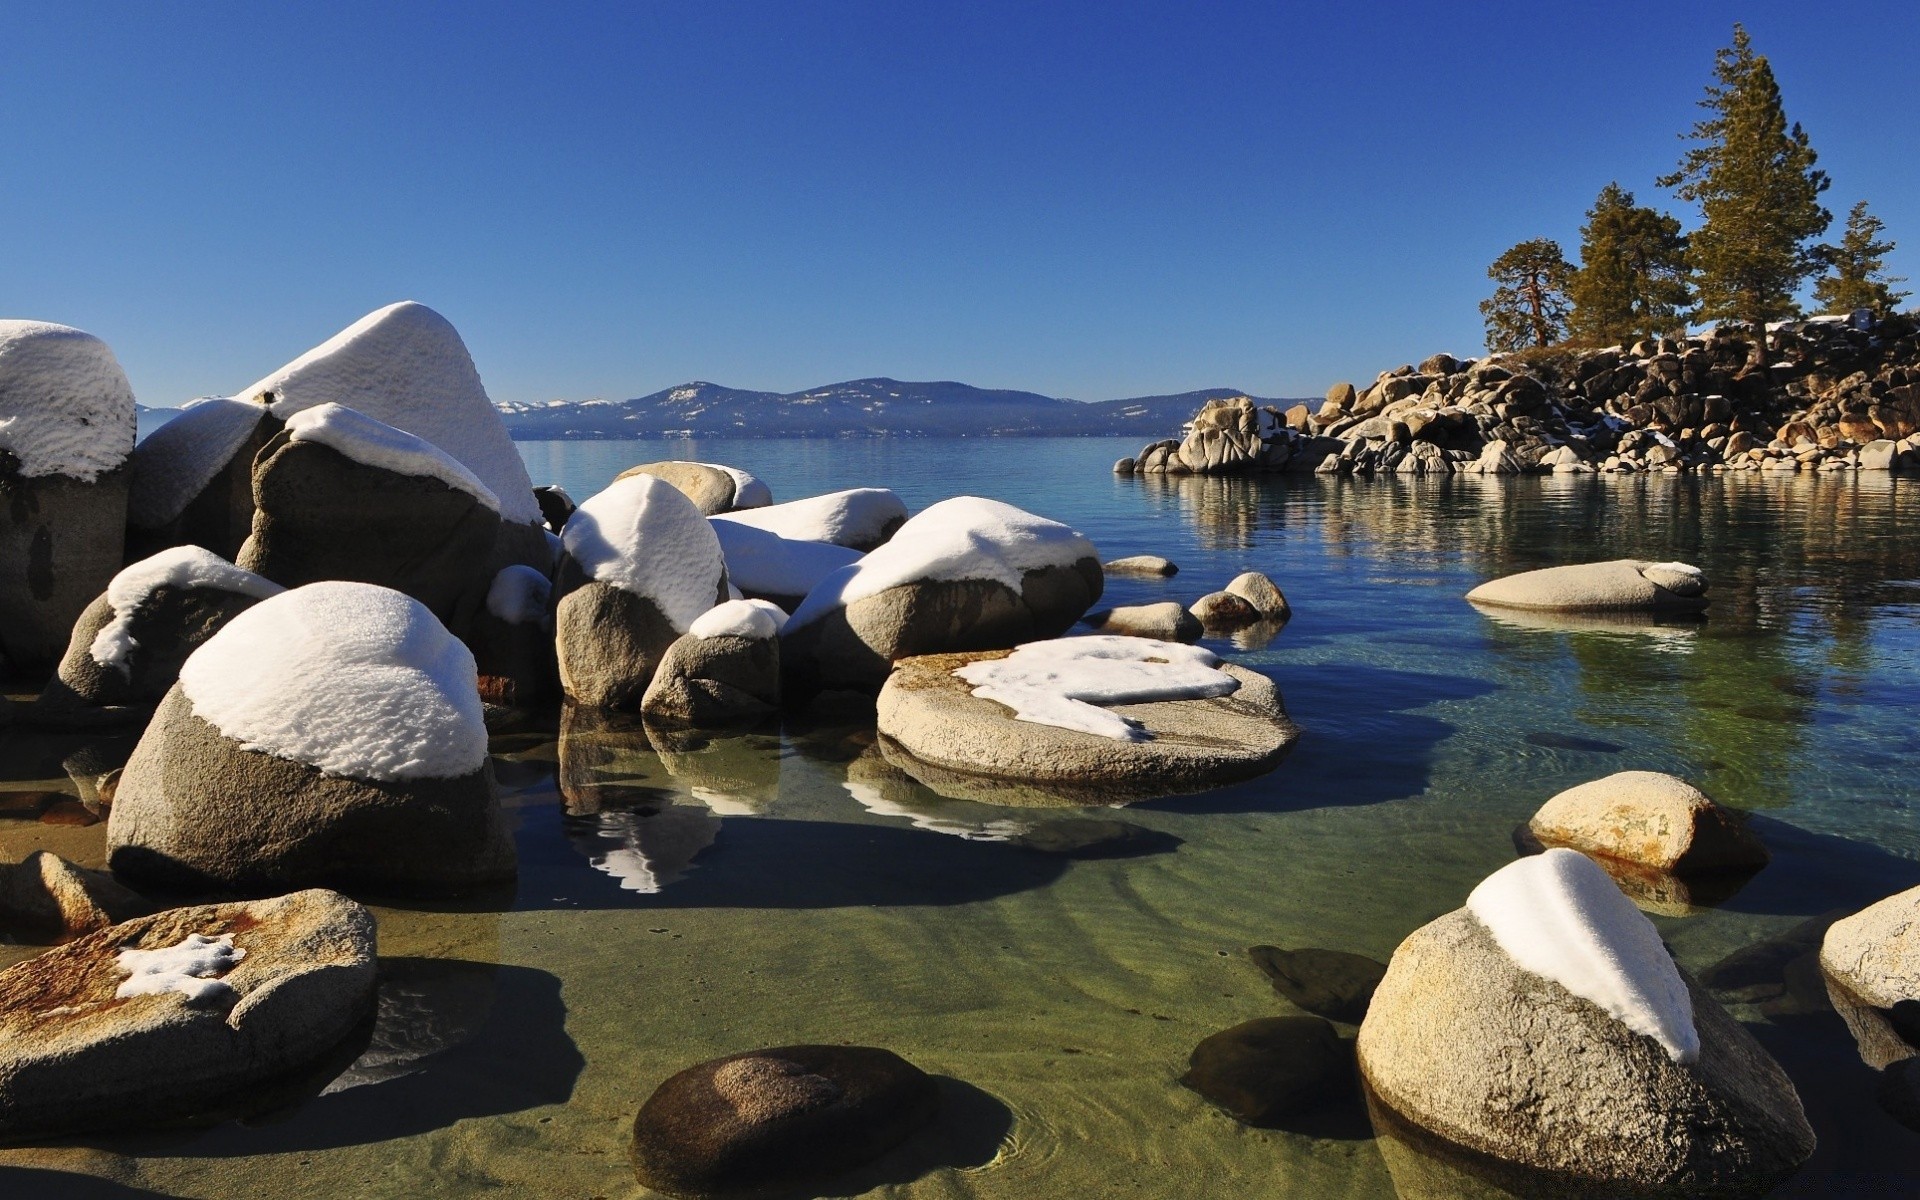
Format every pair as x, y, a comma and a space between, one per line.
617, 761
644, 849
885, 790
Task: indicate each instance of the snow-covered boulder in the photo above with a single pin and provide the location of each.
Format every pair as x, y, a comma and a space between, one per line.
180, 1013
641, 564
66, 429
713, 487
512, 638
193, 477
725, 668
1103, 711
1651, 820
128, 645
330, 734
1622, 585
45, 898
858, 518
1545, 1025
966, 574
340, 495
767, 566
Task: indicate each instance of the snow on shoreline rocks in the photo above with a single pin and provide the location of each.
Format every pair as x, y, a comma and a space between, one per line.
1545, 1025
85, 1045
966, 574
724, 669
1623, 585
193, 477
858, 518
712, 487
66, 431
1073, 683
333, 733
765, 565
128, 645
641, 565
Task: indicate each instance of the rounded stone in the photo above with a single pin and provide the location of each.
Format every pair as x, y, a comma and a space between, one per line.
1145, 566
1622, 585
1652, 820
1165, 620
710, 488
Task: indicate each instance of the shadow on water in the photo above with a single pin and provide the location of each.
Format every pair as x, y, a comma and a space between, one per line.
33, 1183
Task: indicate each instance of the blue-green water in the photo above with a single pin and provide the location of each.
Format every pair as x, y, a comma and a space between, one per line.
789, 887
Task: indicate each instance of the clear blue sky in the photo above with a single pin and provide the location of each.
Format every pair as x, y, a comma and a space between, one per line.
1090, 201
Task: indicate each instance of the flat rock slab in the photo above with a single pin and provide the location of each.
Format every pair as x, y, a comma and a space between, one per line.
75, 1056
935, 717
1623, 585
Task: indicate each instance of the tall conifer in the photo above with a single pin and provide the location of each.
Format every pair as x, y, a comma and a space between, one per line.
1632, 280
1529, 308
1857, 268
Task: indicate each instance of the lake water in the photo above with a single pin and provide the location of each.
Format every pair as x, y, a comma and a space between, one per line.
740, 894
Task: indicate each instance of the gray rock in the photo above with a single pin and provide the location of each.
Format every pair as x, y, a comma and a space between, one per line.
75, 1057
1165, 620
1871, 961
1145, 566
1622, 585
1223, 610
1123, 466
168, 625
1271, 1070
219, 516
610, 641
715, 681
61, 542
1878, 455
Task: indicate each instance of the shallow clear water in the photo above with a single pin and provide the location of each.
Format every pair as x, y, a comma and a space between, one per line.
681, 902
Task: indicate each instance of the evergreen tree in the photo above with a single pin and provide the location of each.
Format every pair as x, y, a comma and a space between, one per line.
1759, 195
1529, 308
1632, 280
1857, 268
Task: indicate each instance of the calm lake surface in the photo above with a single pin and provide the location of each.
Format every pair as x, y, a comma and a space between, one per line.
682, 901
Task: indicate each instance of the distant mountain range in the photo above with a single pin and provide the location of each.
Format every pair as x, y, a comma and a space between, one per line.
859, 408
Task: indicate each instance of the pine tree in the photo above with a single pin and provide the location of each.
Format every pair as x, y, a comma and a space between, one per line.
1759, 195
1632, 280
1857, 268
1529, 308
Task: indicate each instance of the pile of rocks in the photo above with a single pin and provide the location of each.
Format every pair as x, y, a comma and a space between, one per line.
1835, 394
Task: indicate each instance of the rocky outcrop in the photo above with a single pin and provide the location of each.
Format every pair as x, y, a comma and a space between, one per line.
724, 670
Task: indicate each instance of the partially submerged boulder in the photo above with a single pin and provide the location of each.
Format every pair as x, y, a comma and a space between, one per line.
641, 565
340, 495
330, 734
1622, 585
713, 487
859, 518
128, 645
966, 574
1871, 961
45, 898
1165, 620
1088, 712
66, 429
724, 669
176, 1016
1144, 566
192, 480
770, 1120
1262, 594
1223, 610
1545, 1025
1652, 820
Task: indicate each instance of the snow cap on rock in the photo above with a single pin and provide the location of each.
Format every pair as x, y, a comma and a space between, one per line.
354, 679
377, 444
756, 620
1067, 682
643, 536
855, 517
65, 405
518, 595
759, 560
179, 567
175, 462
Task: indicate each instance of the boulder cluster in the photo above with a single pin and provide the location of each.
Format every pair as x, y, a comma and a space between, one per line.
1832, 394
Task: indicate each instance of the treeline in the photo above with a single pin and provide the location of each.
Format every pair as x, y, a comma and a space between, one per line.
1753, 176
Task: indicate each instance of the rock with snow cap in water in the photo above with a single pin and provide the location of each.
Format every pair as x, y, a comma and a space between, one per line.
1546, 1026
188, 1015
858, 518
723, 670
66, 430
965, 574
331, 734
128, 645
512, 639
340, 495
713, 487
641, 565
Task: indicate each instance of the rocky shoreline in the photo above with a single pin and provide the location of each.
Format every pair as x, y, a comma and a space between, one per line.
1834, 395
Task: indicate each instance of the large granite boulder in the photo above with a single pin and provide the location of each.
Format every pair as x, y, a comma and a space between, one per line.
1623, 585
66, 429
858, 518
128, 645
712, 487
1651, 820
1871, 961
966, 574
1127, 714
724, 669
339, 495
175, 1016
331, 734
767, 1121
1545, 1026
45, 898
641, 565
192, 478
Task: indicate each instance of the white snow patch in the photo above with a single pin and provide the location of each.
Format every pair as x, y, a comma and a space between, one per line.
176, 461
351, 678
754, 619
192, 967
65, 405
378, 444
406, 365
518, 595
643, 536
967, 537
1558, 915
179, 567
855, 516
1064, 681
762, 561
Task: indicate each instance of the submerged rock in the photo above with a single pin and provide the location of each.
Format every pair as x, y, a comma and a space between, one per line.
1623, 585
166, 1018
1266, 1071
1326, 983
1652, 820
768, 1120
